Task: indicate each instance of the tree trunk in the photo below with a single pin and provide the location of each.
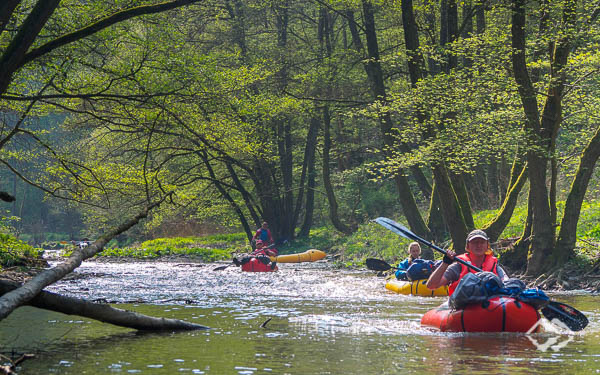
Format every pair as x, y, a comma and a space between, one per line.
13, 299
375, 73
467, 27
480, 16
542, 129
286, 223
245, 194
18, 52
493, 183
101, 312
411, 41
567, 236
333, 206
516, 258
542, 232
14, 53
460, 189
7, 7
450, 208
415, 64
311, 146
435, 220
225, 194
432, 64
495, 227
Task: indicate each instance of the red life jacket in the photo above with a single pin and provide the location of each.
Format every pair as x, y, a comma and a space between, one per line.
490, 264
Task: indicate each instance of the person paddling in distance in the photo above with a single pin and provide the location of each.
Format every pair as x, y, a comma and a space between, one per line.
414, 252
262, 246
263, 234
478, 254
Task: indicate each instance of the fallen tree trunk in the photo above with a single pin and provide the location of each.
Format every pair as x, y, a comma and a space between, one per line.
22, 295
99, 311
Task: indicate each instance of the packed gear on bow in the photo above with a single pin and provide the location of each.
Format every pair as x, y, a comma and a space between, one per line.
480, 287
263, 254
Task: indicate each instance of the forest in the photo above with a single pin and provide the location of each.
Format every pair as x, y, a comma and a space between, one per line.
189, 115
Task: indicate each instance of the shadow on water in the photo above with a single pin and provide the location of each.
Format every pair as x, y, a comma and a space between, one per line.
322, 321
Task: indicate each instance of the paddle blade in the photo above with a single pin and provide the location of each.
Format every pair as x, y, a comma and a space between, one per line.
568, 315
221, 268
377, 264
395, 227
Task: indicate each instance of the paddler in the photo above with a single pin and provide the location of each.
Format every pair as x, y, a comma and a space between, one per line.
263, 234
414, 252
478, 253
263, 248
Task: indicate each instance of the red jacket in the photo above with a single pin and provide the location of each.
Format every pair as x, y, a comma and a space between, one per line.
490, 264
258, 236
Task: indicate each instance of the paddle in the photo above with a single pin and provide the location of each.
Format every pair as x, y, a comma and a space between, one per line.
404, 232
568, 315
221, 268
378, 265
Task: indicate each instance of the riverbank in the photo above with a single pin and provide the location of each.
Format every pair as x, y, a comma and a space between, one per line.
569, 278
580, 274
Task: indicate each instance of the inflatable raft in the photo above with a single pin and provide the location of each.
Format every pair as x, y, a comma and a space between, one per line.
311, 255
255, 265
498, 314
415, 288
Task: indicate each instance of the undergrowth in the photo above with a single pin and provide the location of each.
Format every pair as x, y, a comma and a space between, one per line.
14, 252
208, 248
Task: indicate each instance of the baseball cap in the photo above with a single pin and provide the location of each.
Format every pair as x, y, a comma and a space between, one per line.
477, 233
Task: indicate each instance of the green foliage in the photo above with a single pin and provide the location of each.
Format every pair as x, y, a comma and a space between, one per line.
588, 227
322, 238
170, 95
14, 252
209, 248
364, 198
204, 253
515, 225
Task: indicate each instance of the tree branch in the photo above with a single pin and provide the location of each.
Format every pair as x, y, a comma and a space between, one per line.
102, 24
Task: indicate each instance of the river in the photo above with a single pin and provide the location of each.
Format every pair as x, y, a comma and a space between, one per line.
322, 321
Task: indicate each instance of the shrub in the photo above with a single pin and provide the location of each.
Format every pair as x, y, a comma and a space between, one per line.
14, 252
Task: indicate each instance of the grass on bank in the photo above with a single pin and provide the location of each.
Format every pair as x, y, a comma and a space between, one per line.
215, 247
209, 248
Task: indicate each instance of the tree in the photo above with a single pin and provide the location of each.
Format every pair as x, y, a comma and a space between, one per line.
543, 128
35, 34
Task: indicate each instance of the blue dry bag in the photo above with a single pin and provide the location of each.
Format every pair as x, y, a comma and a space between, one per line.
419, 269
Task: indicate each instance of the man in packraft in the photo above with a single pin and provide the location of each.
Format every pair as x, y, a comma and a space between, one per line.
478, 253
262, 246
263, 234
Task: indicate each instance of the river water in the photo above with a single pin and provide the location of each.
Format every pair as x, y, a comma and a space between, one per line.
322, 321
